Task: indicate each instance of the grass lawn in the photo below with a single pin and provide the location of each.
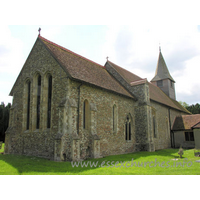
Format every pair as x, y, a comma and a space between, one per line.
140, 163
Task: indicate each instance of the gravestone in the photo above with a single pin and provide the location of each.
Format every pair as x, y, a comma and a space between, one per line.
180, 152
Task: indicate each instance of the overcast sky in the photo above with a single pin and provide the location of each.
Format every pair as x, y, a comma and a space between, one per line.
135, 48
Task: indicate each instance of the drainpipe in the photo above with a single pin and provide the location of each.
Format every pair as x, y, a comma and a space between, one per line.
79, 91
171, 135
173, 139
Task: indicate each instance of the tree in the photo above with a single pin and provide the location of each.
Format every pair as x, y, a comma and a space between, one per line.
194, 109
184, 104
4, 119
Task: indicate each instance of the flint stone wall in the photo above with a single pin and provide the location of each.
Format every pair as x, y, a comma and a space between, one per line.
35, 142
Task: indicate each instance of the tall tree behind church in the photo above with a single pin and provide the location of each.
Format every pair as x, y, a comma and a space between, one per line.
4, 119
194, 109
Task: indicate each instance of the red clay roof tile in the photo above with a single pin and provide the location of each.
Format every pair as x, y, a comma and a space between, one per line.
156, 94
83, 69
185, 122
197, 125
128, 76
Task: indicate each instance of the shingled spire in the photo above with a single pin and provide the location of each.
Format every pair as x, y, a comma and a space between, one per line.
162, 77
162, 71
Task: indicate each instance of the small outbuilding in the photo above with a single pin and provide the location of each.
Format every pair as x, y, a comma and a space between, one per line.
186, 131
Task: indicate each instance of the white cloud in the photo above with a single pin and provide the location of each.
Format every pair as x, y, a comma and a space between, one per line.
188, 84
110, 40
11, 61
10, 52
136, 48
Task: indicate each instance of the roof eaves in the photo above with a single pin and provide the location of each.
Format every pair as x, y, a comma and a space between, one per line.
87, 83
166, 105
172, 101
196, 125
180, 106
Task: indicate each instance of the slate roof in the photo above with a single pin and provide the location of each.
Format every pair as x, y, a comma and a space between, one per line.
162, 71
83, 69
186, 122
156, 94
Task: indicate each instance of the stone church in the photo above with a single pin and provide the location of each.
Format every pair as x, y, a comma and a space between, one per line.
67, 107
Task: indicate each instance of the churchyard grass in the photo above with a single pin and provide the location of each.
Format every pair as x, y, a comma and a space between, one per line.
140, 163
2, 149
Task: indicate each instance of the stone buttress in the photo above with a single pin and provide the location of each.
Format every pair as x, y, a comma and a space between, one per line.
143, 120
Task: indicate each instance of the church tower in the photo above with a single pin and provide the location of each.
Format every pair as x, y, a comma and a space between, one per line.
163, 79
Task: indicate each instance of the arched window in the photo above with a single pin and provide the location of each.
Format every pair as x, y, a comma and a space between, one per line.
38, 101
128, 128
114, 119
49, 101
86, 114
28, 104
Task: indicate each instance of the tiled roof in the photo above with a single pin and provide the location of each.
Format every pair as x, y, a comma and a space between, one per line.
156, 94
83, 69
180, 106
197, 125
162, 71
186, 122
128, 76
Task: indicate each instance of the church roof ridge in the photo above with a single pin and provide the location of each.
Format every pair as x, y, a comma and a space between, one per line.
69, 51
82, 69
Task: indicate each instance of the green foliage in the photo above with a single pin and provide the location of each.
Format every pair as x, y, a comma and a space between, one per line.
194, 109
165, 161
184, 104
4, 119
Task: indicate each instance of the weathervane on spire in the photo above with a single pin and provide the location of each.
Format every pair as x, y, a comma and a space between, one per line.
107, 57
39, 31
159, 47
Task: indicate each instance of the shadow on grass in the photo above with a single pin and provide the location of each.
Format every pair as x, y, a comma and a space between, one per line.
35, 165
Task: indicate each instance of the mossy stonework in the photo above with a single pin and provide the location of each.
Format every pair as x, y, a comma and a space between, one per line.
81, 116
